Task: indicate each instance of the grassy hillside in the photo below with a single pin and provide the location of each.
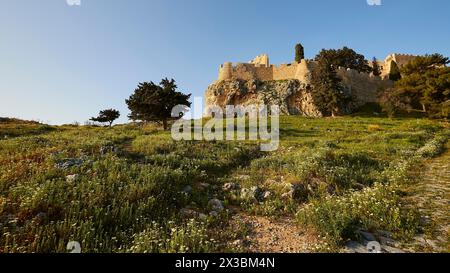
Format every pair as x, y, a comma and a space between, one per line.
133, 189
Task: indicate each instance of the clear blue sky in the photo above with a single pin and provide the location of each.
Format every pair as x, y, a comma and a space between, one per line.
61, 63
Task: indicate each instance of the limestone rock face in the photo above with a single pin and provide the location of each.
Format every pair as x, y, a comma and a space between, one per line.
292, 96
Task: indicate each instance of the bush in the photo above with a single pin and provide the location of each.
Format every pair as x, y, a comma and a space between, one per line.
433, 147
190, 237
376, 208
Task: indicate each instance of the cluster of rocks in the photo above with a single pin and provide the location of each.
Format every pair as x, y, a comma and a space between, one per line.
214, 206
66, 163
253, 194
108, 148
378, 242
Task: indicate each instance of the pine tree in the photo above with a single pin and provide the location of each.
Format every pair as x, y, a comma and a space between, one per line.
108, 115
394, 74
375, 67
328, 91
151, 102
424, 85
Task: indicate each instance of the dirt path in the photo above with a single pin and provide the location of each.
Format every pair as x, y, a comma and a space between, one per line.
274, 235
431, 195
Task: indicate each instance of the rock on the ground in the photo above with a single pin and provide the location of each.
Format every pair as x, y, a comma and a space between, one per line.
367, 235
108, 148
355, 247
67, 163
72, 178
267, 195
188, 213
231, 186
254, 194
216, 205
186, 189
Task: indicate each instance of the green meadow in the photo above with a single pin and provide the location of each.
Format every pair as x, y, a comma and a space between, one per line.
131, 188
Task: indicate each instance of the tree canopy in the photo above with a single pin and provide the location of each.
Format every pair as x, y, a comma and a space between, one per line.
375, 67
108, 115
347, 58
328, 90
394, 74
424, 85
152, 102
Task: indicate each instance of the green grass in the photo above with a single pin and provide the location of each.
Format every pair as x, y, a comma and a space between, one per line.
127, 195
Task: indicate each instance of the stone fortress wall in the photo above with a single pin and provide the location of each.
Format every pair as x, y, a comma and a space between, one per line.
260, 69
363, 86
288, 85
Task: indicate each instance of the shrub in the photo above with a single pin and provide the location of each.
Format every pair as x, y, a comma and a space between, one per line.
190, 237
374, 128
376, 208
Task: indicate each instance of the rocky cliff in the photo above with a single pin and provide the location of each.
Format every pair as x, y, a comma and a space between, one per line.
292, 96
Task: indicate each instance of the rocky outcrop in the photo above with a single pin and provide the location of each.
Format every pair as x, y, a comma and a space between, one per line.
292, 96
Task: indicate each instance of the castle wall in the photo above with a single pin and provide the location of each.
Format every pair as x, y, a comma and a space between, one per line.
249, 71
285, 71
363, 86
264, 73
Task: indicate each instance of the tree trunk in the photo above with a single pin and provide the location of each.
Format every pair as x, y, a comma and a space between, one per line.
165, 124
333, 113
424, 108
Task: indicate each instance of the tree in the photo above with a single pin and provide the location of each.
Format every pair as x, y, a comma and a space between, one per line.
346, 58
299, 53
108, 115
424, 85
393, 101
328, 91
151, 102
394, 73
375, 67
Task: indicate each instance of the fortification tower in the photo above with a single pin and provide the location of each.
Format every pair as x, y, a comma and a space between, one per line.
226, 71
261, 60
302, 72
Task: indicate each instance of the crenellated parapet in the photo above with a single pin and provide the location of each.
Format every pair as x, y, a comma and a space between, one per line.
260, 69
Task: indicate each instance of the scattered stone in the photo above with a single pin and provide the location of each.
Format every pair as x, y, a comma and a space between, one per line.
389, 249
257, 193
216, 205
367, 236
108, 148
72, 178
355, 247
204, 186
188, 213
254, 194
186, 189
243, 177
213, 214
287, 195
237, 243
67, 163
40, 218
231, 186
386, 241
267, 195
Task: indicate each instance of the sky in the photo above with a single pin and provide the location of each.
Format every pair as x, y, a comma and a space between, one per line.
62, 63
